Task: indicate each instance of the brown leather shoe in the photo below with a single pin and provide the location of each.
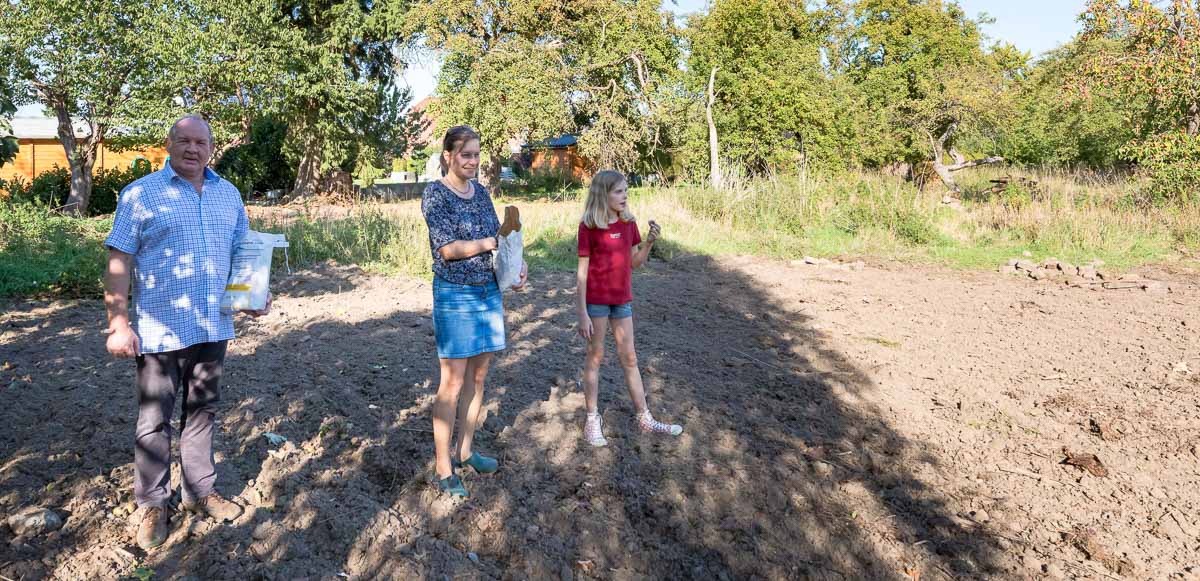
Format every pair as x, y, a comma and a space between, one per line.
215, 507
154, 528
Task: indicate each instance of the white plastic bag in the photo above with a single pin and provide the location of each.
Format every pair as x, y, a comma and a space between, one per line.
508, 260
250, 272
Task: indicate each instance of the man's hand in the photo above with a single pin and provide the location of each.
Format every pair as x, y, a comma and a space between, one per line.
265, 310
122, 342
524, 277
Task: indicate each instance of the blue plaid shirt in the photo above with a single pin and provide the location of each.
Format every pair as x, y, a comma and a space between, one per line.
181, 243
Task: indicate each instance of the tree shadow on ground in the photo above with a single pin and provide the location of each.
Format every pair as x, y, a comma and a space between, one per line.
785, 469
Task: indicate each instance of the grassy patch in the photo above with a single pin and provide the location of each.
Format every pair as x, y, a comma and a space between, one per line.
42, 253
382, 241
1069, 218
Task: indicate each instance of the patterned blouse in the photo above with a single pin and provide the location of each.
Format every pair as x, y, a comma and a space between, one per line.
450, 219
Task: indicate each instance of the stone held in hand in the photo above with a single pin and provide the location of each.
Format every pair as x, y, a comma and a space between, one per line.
512, 221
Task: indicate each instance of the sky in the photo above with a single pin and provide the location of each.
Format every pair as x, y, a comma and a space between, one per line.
1034, 26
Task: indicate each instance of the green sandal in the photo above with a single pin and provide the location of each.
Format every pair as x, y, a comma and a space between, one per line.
478, 463
453, 486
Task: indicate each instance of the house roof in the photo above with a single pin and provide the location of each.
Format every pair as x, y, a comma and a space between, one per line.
559, 142
40, 128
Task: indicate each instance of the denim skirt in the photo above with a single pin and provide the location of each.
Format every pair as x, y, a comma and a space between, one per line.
467, 319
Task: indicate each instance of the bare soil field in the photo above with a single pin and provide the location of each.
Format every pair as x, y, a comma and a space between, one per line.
883, 423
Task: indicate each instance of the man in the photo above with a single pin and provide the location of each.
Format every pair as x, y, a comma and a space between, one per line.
175, 229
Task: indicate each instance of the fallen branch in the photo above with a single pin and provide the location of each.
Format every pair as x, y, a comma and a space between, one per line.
973, 163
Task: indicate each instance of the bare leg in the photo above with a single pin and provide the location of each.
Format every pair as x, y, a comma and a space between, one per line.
449, 385
470, 401
623, 333
591, 364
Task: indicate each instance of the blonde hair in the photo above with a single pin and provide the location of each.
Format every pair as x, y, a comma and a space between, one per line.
595, 209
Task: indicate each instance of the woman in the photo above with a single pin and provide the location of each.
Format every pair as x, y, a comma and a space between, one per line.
468, 316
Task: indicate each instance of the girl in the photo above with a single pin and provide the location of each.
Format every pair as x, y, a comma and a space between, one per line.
609, 249
468, 316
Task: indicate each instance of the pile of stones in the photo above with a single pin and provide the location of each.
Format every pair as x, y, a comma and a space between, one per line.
1090, 275
1055, 268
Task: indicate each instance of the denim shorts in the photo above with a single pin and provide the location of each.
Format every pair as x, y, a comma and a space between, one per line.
611, 311
467, 319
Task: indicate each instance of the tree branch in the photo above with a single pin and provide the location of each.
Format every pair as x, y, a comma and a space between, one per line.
973, 163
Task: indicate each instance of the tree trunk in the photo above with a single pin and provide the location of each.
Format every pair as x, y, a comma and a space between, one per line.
489, 172
308, 174
714, 162
944, 173
243, 100
960, 162
939, 153
81, 156
242, 139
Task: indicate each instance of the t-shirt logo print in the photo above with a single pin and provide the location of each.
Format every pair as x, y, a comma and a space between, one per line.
615, 235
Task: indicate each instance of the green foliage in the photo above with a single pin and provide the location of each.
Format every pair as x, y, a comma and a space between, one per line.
550, 185
44, 253
8, 144
775, 106
370, 237
259, 165
108, 183
1171, 162
341, 69
922, 65
1055, 124
91, 63
233, 70
48, 189
14, 189
538, 69
1146, 64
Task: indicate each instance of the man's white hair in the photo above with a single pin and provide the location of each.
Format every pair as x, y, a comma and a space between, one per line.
175, 125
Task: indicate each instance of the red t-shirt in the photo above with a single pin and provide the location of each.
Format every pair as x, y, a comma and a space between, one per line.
610, 263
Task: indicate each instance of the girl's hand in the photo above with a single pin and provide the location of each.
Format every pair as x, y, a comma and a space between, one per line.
655, 231
585, 326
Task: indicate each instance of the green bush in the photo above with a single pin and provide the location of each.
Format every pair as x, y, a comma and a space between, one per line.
15, 189
48, 189
259, 165
1172, 164
548, 183
107, 185
46, 253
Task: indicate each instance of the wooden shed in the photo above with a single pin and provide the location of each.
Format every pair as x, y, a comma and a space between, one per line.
559, 156
40, 150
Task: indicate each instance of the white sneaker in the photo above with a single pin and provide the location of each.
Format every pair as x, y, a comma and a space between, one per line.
593, 431
649, 425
